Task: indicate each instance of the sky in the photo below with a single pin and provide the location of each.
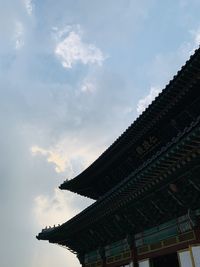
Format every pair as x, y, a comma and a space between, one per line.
73, 76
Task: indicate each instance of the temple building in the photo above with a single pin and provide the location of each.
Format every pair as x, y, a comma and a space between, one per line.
146, 186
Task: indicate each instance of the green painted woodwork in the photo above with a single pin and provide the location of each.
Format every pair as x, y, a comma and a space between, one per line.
116, 248
165, 230
92, 256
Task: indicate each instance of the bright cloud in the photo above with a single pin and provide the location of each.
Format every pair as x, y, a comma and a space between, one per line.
188, 48
54, 210
69, 156
146, 101
53, 156
62, 33
72, 50
29, 7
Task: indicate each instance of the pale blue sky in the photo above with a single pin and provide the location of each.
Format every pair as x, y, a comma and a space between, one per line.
73, 76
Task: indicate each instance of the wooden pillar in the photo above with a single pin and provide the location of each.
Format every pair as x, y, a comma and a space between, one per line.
103, 256
133, 249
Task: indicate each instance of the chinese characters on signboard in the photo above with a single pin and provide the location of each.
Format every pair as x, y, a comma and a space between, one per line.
146, 145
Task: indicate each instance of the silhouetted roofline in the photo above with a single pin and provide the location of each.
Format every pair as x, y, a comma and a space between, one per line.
98, 178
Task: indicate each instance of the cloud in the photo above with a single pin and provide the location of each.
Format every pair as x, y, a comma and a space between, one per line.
163, 67
69, 155
51, 255
55, 209
188, 48
196, 39
29, 6
88, 87
61, 33
60, 161
72, 50
143, 103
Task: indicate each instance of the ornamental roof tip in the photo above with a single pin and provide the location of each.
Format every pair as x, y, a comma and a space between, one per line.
65, 182
47, 230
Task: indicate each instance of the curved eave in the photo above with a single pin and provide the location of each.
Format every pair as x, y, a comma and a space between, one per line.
177, 156
46, 234
89, 192
86, 183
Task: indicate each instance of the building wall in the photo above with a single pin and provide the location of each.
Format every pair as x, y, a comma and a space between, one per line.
180, 236
188, 252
